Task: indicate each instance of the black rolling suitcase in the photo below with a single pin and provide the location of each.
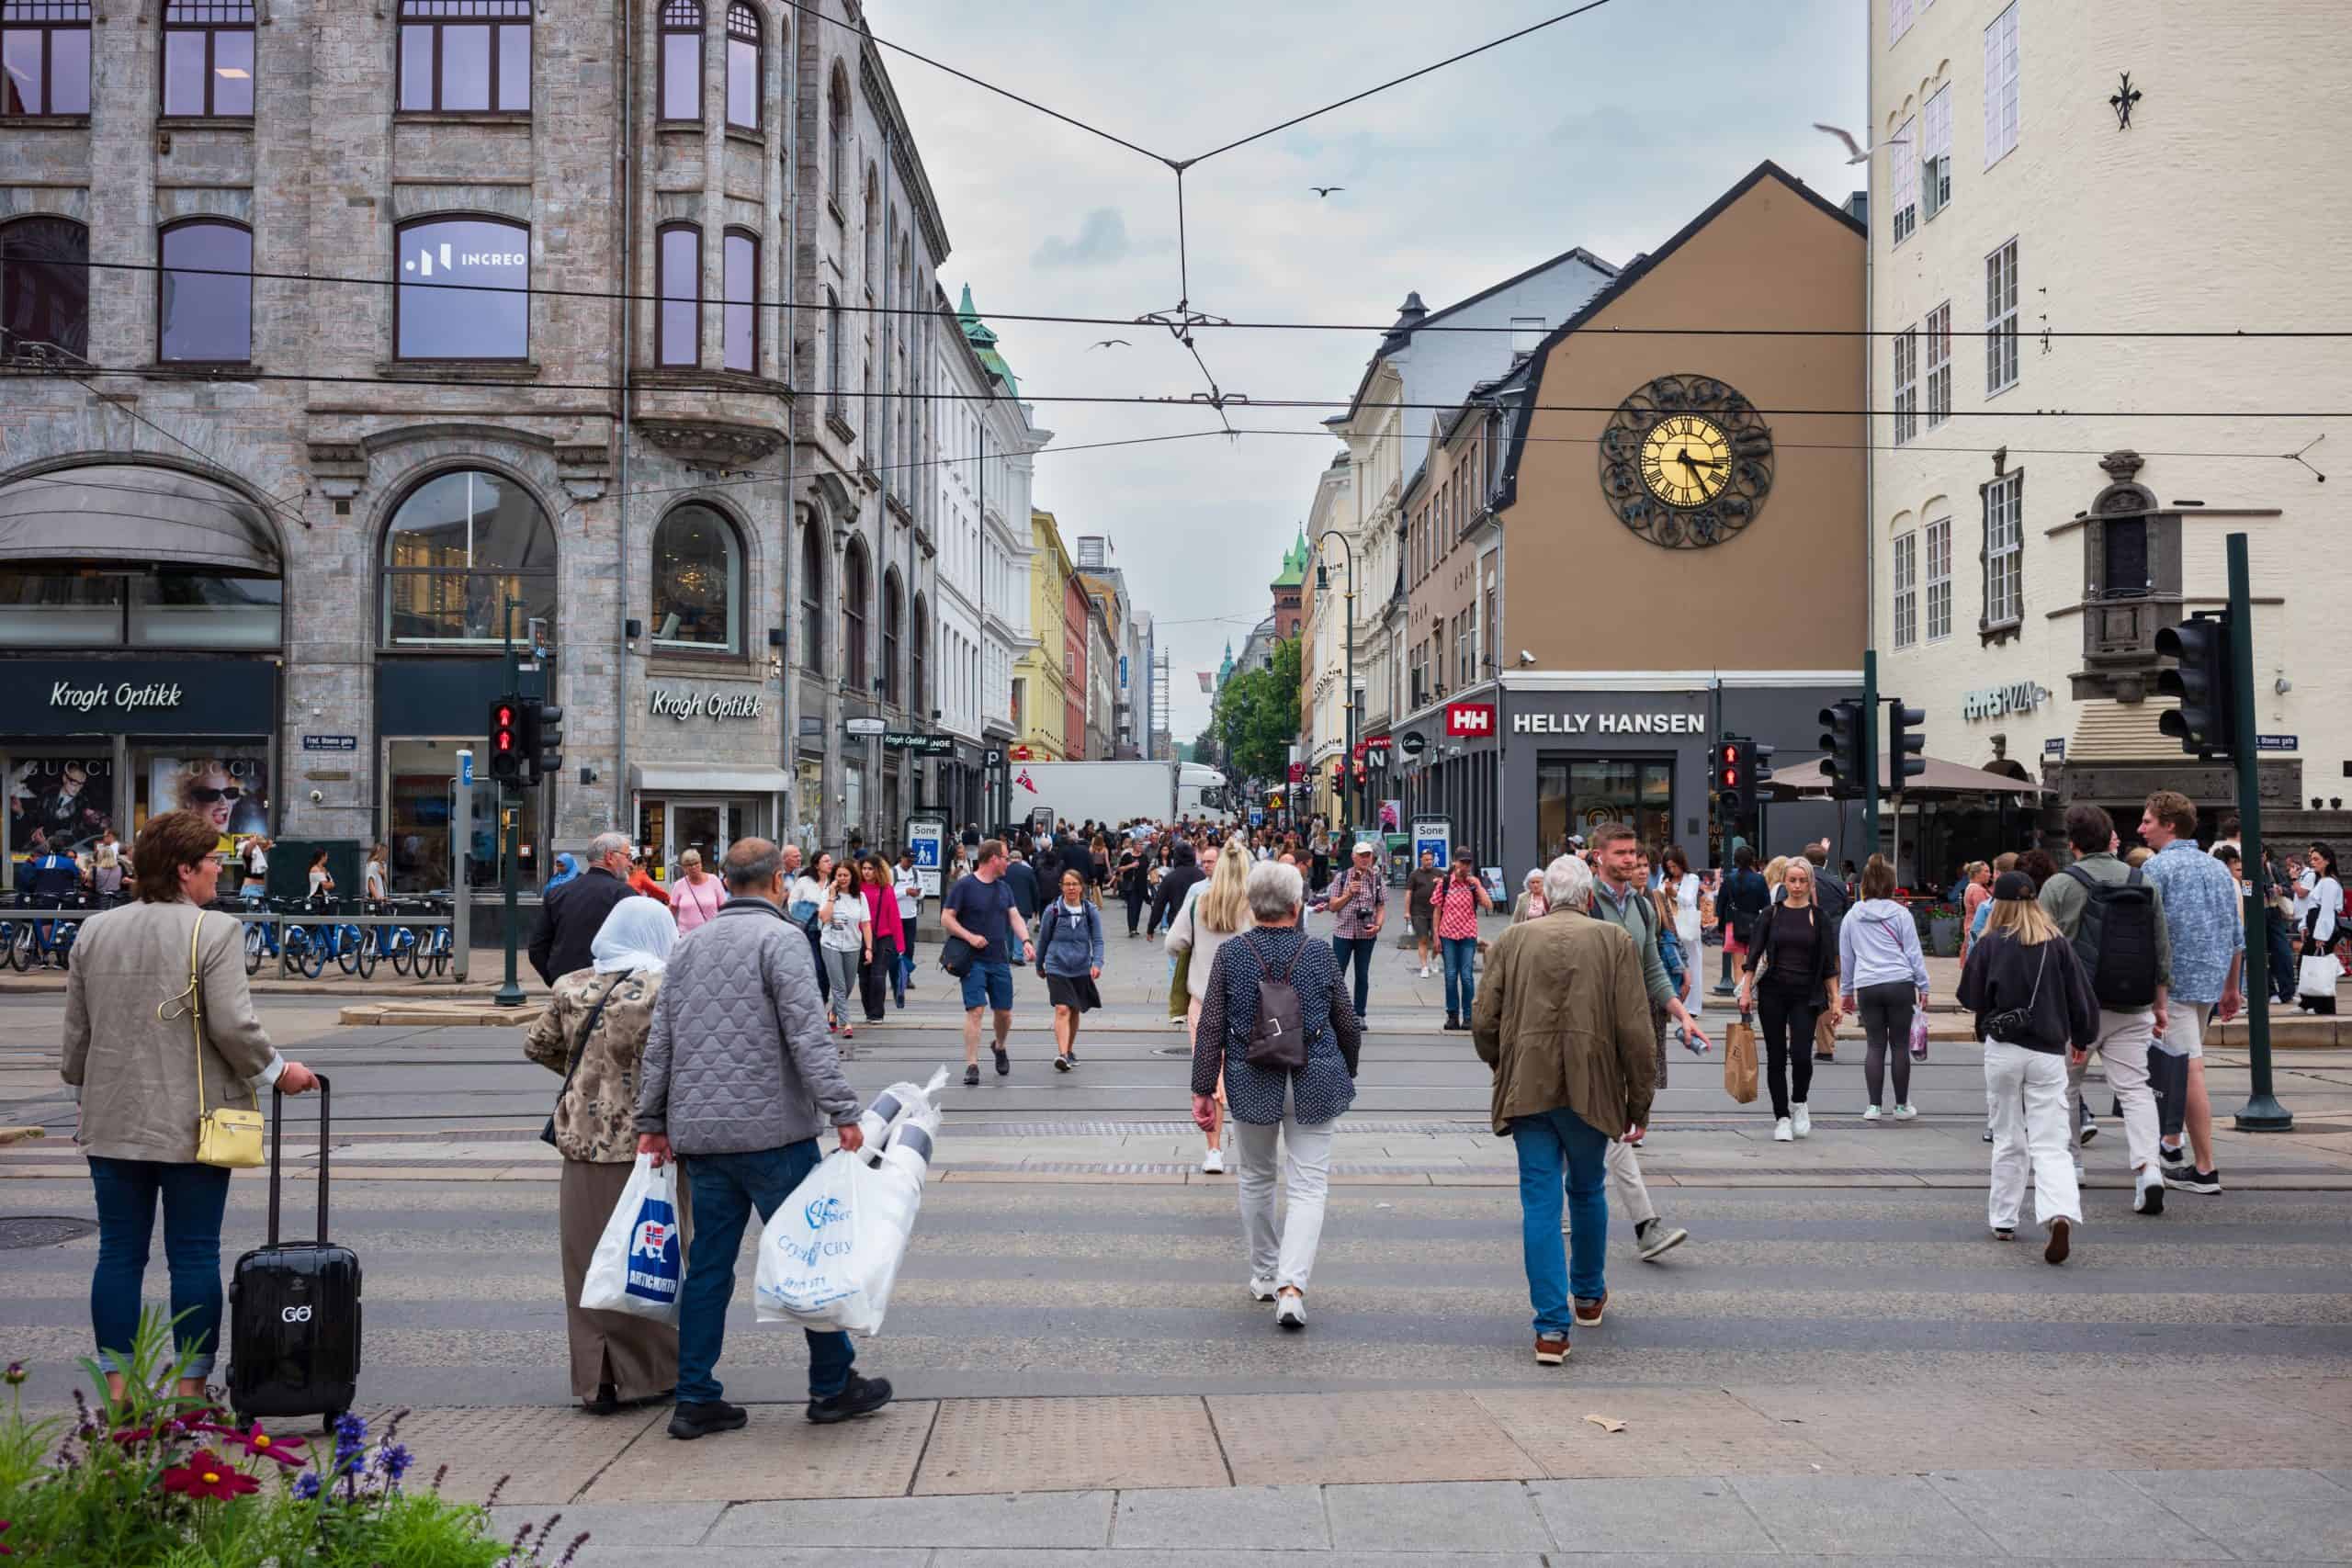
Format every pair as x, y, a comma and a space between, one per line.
294, 1310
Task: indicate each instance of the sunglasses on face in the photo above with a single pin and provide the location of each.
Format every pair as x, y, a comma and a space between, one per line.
204, 794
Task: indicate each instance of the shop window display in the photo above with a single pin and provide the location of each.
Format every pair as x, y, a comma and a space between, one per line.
697, 583
417, 820
228, 785
459, 547
61, 802
1577, 795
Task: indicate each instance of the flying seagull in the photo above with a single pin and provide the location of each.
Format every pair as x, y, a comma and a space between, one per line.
1109, 342
1861, 155
1325, 190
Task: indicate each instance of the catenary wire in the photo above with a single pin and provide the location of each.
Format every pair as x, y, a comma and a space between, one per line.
1381, 329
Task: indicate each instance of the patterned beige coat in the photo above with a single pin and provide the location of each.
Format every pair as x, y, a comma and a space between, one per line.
596, 1119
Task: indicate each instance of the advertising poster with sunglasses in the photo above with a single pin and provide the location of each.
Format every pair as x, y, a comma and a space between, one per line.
59, 803
230, 785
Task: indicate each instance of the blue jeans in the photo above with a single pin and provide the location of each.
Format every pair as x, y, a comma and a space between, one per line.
1557, 1150
1461, 974
726, 1188
1356, 950
903, 981
990, 986
193, 1197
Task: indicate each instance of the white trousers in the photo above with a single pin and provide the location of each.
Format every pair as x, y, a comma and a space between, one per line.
2030, 1126
2124, 1040
1283, 1250
1625, 1184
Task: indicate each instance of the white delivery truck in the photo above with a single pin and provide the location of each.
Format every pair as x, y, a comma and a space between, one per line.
1116, 792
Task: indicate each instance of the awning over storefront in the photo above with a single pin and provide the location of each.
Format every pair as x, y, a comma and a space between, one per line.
137, 515
1941, 778
681, 779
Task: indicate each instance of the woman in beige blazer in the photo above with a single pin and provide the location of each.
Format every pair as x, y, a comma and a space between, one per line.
130, 1055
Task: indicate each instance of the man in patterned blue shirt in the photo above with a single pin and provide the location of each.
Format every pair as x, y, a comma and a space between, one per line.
2204, 914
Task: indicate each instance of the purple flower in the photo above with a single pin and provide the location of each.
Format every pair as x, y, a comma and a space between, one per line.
14, 1375
393, 1460
350, 1430
306, 1485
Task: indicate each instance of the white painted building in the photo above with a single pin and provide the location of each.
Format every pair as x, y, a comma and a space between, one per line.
2023, 559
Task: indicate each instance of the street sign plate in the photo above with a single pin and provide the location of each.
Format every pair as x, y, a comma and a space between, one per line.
865, 727
330, 744
2278, 743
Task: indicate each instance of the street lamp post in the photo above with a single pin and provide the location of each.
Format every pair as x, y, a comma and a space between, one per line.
1348, 754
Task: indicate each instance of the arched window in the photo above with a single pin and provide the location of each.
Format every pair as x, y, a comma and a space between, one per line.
455, 55
201, 315
891, 613
812, 599
697, 584
681, 60
853, 599
837, 130
740, 315
834, 333
459, 547
462, 293
742, 66
677, 265
47, 49
918, 651
44, 286
208, 57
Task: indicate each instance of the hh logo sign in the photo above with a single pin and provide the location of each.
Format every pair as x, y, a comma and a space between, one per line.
1469, 719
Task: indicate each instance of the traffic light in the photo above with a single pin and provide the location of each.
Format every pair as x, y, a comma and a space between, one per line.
1741, 765
1848, 759
2205, 722
542, 738
506, 739
1904, 743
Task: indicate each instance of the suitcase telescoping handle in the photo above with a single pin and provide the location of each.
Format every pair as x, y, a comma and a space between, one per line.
276, 1156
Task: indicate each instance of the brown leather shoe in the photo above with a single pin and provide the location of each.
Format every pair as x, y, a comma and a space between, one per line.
1551, 1349
2061, 1241
1587, 1312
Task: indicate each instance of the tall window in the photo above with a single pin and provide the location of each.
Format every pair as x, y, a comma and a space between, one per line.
463, 291
2005, 550
459, 547
2001, 87
812, 599
891, 613
2001, 319
854, 600
1906, 385
44, 287
45, 47
837, 131
872, 232
208, 57
1940, 365
1935, 154
742, 66
697, 584
834, 332
1907, 588
678, 262
681, 60
1898, 19
917, 646
466, 55
740, 316
1939, 579
201, 315
1904, 156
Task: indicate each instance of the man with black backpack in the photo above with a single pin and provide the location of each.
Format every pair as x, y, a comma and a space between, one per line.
2114, 918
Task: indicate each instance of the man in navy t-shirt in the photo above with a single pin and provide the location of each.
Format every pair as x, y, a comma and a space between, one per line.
981, 910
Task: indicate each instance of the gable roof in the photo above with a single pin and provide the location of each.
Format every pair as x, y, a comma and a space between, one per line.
1641, 266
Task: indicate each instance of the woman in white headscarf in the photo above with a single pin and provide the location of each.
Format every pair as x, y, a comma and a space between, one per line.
593, 1032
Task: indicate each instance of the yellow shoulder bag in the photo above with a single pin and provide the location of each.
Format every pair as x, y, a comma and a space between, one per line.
224, 1137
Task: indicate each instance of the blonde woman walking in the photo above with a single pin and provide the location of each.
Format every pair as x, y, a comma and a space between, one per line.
1212, 913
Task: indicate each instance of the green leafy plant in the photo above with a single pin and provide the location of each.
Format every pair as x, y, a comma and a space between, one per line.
159, 1478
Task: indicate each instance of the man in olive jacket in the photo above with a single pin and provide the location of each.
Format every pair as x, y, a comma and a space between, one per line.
1564, 1019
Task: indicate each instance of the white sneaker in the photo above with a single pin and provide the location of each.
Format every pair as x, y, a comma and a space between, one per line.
1803, 1120
1212, 1163
1290, 1311
1906, 1112
1781, 1134
2148, 1192
1425, 971
1261, 1290
1869, 1112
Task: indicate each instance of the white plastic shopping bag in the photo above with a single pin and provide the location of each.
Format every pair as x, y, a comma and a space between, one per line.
828, 1257
640, 1264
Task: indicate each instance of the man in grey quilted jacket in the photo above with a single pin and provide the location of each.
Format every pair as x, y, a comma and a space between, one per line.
738, 1079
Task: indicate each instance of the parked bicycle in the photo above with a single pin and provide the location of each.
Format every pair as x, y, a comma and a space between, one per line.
33, 944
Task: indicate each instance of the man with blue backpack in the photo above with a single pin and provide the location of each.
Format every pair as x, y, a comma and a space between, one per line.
2114, 918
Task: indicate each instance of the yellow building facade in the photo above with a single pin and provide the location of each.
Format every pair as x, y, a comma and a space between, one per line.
1040, 684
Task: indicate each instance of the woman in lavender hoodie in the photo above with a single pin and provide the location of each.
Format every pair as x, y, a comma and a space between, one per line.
1885, 973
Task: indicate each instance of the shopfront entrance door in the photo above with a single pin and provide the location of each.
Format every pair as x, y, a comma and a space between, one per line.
669, 828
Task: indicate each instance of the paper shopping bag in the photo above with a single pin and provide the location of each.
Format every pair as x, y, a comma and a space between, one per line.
1825, 1037
1739, 1061
639, 1264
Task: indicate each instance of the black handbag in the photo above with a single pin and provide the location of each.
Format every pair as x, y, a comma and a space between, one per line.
580, 1049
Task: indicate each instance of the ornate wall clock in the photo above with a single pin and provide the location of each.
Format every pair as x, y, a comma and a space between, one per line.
1686, 462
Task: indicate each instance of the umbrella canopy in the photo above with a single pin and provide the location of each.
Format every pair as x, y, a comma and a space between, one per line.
1941, 778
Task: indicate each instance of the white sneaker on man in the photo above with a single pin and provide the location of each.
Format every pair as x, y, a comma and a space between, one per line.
1781, 1134
2148, 1191
1804, 1119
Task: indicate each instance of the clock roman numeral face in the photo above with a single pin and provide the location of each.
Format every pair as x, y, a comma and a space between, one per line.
1686, 459
1686, 462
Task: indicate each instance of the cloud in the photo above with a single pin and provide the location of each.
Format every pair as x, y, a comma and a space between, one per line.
1102, 240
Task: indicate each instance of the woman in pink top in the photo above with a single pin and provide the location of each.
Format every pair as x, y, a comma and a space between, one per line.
698, 894
890, 934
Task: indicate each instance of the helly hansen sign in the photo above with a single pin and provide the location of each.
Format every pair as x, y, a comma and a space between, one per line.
1608, 724
1470, 718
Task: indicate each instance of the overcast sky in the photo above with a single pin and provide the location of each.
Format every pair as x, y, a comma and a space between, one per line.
1610, 131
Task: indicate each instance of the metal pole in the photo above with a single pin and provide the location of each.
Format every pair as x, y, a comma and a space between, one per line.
1869, 750
2262, 1112
509, 992
461, 841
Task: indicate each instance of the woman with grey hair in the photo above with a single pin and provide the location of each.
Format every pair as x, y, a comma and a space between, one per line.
1292, 1095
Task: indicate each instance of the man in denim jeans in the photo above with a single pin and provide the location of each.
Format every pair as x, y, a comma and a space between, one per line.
740, 1078
1358, 905
1564, 1019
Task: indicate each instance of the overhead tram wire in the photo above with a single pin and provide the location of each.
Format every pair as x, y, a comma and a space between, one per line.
1379, 329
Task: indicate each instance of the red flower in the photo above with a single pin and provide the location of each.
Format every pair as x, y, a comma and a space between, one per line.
207, 1475
286, 1451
